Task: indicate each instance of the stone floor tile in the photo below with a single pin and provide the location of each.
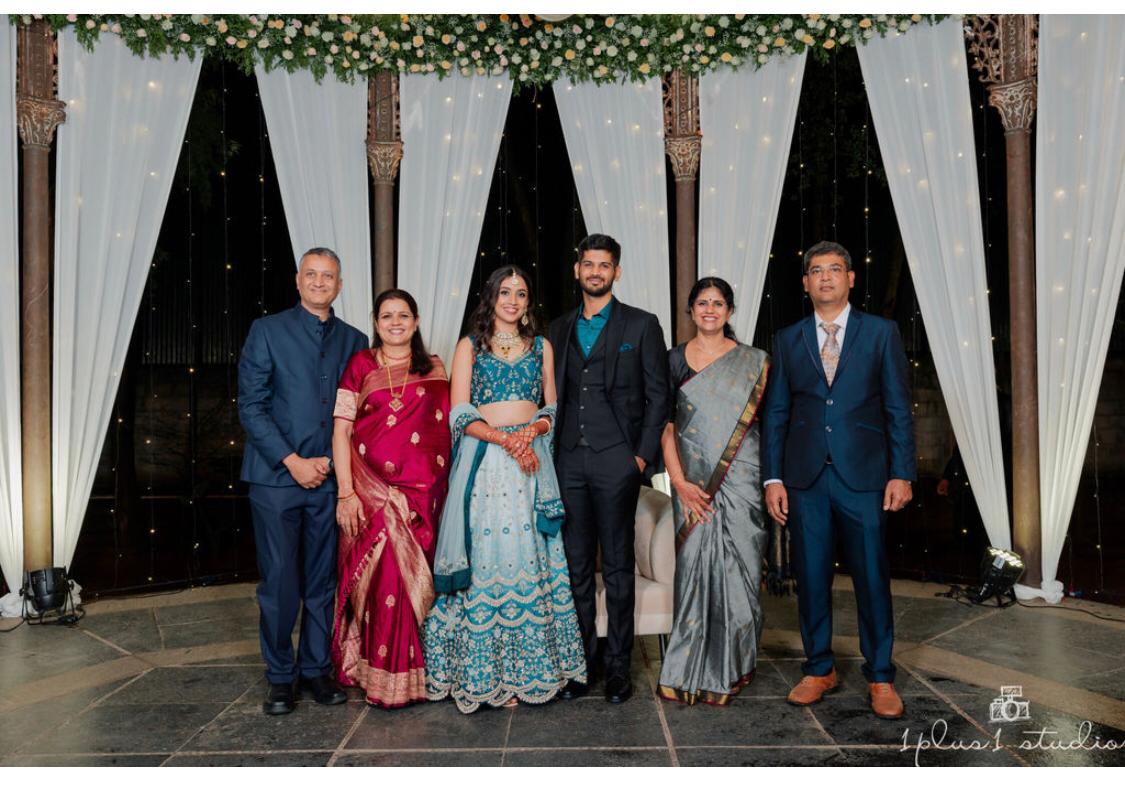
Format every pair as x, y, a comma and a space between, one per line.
22, 728
588, 721
187, 685
813, 756
233, 608
134, 631
745, 722
849, 720
633, 758
245, 728
132, 728
89, 760
251, 759
487, 758
431, 725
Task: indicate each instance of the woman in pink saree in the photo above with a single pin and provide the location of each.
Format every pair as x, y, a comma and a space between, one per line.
391, 446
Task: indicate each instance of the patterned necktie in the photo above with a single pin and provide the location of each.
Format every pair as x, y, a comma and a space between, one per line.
830, 352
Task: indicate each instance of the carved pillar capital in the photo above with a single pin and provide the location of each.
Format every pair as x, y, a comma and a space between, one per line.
38, 119
1005, 50
1016, 103
383, 158
683, 151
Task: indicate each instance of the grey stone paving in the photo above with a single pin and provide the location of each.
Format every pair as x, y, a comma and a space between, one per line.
207, 713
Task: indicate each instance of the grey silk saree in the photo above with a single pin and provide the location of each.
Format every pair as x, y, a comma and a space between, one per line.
713, 647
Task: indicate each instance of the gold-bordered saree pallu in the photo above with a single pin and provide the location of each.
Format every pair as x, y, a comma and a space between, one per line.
399, 460
717, 624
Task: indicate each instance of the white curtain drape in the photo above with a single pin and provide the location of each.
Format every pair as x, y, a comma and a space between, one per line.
615, 137
1079, 249
116, 157
918, 89
11, 495
317, 134
451, 132
747, 119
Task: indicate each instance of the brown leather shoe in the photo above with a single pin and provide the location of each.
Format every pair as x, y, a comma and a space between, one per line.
813, 688
885, 701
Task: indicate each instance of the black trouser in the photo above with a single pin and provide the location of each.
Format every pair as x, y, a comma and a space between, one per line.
599, 491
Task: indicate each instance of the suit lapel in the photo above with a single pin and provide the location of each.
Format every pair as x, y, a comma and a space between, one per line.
613, 333
851, 339
808, 333
562, 352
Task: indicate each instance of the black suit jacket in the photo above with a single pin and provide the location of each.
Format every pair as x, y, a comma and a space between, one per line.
636, 374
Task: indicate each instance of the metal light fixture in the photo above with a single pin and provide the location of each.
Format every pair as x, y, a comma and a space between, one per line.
999, 571
46, 592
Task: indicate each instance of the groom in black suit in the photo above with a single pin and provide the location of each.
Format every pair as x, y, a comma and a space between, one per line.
611, 372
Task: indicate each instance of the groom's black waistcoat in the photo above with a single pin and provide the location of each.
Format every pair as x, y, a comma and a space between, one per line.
588, 413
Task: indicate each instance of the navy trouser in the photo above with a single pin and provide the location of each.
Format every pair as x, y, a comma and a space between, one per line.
295, 534
818, 514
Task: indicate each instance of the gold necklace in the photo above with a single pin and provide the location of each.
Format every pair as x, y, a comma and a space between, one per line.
507, 341
396, 402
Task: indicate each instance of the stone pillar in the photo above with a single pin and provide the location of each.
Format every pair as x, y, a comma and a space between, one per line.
1005, 51
38, 114
384, 153
682, 142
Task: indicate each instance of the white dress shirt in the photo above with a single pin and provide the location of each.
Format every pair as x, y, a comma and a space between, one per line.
821, 336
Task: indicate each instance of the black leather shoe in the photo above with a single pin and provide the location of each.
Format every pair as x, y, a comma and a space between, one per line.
618, 689
574, 690
324, 690
279, 700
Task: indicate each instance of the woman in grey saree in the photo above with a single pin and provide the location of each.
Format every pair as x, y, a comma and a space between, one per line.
711, 452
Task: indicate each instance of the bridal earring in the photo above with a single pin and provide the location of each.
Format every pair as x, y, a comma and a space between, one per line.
524, 320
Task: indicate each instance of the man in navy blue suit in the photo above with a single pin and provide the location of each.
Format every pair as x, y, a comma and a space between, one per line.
838, 454
287, 377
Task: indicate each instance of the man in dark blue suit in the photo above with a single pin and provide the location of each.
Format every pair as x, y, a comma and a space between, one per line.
287, 377
838, 454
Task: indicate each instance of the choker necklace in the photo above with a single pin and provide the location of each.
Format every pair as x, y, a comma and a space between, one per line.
507, 342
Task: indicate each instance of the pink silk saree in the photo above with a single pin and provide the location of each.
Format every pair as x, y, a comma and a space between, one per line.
399, 461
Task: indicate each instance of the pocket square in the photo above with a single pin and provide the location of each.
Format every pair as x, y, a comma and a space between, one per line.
625, 347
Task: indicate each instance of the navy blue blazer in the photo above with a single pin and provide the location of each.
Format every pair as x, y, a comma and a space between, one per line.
863, 420
287, 376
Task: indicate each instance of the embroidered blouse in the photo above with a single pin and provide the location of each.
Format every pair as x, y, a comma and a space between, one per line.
497, 380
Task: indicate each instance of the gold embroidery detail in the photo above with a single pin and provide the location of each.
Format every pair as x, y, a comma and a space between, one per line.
389, 467
382, 651
411, 652
362, 450
390, 601
415, 438
392, 420
421, 391
441, 461
439, 415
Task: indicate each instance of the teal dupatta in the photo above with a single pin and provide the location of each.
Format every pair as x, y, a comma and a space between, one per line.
452, 560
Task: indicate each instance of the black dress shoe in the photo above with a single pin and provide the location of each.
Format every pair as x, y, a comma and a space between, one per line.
279, 700
618, 689
324, 690
574, 690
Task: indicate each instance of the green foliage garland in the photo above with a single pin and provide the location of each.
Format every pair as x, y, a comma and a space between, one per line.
532, 50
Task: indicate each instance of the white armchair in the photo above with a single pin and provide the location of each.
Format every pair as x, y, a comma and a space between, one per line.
656, 567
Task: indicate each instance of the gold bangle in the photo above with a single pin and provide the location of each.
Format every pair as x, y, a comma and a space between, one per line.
347, 497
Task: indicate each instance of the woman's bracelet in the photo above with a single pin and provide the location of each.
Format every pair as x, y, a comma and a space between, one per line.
345, 497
